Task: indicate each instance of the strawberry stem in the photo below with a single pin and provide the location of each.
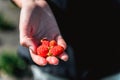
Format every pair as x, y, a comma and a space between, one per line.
49, 54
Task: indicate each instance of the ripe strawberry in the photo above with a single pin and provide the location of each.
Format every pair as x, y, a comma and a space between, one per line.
45, 42
56, 50
42, 50
53, 43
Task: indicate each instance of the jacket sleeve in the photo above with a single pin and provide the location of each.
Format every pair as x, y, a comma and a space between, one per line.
60, 3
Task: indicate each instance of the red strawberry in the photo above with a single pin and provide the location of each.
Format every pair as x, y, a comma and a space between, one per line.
42, 50
45, 42
53, 43
56, 50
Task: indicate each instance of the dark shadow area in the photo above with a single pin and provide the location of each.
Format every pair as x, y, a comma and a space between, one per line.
4, 25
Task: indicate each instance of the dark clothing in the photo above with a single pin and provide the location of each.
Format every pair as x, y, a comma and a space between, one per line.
64, 69
86, 26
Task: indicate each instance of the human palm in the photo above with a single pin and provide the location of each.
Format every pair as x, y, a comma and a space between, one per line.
36, 22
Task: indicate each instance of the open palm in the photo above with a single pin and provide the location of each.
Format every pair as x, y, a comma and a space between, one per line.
36, 22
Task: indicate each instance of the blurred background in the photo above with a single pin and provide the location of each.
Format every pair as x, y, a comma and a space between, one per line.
9, 18
11, 66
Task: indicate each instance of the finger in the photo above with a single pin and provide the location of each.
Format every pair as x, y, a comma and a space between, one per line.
38, 59
52, 60
64, 56
61, 41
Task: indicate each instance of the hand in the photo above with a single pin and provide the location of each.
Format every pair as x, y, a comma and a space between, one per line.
36, 22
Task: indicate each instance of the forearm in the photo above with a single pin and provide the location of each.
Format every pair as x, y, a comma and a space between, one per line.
18, 3
21, 3
61, 4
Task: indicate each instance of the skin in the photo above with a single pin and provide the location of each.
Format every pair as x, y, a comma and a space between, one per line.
36, 22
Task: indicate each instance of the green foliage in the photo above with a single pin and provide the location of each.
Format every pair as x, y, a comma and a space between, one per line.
12, 64
4, 25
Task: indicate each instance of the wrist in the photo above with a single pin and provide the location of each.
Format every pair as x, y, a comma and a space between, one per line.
17, 3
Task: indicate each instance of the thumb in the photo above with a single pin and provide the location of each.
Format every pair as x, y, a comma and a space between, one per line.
29, 43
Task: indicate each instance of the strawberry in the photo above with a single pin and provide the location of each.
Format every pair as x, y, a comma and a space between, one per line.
42, 50
56, 50
50, 51
45, 42
52, 43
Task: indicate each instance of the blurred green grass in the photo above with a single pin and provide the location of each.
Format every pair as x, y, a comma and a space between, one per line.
13, 65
